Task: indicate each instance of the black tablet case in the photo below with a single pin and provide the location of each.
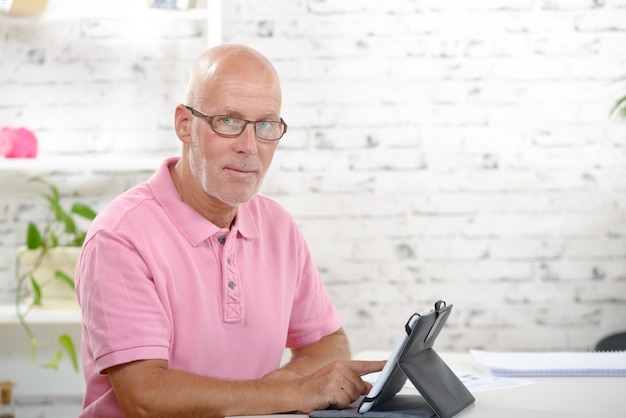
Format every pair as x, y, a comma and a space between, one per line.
444, 393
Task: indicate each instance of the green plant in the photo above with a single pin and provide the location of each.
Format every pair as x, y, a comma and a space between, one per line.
60, 229
619, 108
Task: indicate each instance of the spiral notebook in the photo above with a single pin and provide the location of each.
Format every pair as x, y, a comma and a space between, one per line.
558, 364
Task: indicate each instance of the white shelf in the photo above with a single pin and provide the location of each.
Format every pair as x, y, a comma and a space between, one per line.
135, 14
40, 316
61, 10
146, 13
138, 10
79, 164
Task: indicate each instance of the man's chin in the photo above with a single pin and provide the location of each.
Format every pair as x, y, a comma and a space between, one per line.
235, 201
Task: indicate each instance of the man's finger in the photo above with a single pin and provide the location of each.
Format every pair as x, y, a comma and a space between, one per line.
366, 388
365, 367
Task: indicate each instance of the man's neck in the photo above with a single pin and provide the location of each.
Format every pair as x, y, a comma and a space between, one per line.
212, 209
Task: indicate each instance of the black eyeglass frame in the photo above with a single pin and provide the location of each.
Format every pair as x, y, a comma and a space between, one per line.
209, 119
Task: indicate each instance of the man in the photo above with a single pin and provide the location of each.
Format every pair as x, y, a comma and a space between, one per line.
191, 285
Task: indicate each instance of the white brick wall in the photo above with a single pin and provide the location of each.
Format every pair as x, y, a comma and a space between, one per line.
458, 150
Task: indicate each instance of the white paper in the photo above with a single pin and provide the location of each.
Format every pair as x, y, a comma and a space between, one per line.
540, 364
474, 382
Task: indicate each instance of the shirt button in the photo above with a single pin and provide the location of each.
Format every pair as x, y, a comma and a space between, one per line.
231, 285
221, 239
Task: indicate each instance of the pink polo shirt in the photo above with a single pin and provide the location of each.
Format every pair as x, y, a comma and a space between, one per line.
158, 281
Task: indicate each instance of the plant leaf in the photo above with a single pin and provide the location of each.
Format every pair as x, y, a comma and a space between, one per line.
53, 241
83, 210
58, 274
68, 345
620, 108
79, 239
54, 202
33, 237
70, 226
36, 291
54, 363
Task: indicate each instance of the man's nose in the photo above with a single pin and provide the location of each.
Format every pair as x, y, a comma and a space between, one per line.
247, 141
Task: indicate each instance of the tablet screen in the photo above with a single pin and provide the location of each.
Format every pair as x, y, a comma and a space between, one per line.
391, 378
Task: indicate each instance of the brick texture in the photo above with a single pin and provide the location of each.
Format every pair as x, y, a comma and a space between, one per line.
457, 150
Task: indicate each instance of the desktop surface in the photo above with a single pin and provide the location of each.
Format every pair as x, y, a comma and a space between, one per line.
545, 397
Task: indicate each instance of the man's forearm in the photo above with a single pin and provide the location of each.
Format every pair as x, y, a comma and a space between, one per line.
146, 390
310, 358
149, 389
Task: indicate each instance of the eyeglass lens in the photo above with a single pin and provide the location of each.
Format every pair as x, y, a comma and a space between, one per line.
231, 126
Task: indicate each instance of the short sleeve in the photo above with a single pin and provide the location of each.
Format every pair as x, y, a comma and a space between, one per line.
313, 314
122, 313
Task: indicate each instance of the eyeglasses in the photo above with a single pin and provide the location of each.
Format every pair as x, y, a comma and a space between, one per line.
231, 126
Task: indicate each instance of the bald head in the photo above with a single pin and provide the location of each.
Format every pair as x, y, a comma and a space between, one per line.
224, 63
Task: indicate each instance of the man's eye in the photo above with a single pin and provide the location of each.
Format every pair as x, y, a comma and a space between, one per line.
226, 120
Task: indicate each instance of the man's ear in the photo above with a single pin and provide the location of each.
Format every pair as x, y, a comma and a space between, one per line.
182, 123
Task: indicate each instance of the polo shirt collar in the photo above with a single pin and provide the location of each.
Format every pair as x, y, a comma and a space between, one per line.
194, 227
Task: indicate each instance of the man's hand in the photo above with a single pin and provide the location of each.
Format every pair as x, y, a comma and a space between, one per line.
336, 385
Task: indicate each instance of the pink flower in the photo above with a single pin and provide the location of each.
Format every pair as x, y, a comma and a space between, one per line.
18, 143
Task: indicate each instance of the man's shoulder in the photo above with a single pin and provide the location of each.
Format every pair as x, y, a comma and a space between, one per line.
262, 213
136, 202
261, 199
266, 205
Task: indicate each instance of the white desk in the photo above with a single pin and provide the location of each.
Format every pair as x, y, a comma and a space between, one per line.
549, 397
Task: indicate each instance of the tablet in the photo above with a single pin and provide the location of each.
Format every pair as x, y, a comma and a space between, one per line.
413, 358
392, 378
